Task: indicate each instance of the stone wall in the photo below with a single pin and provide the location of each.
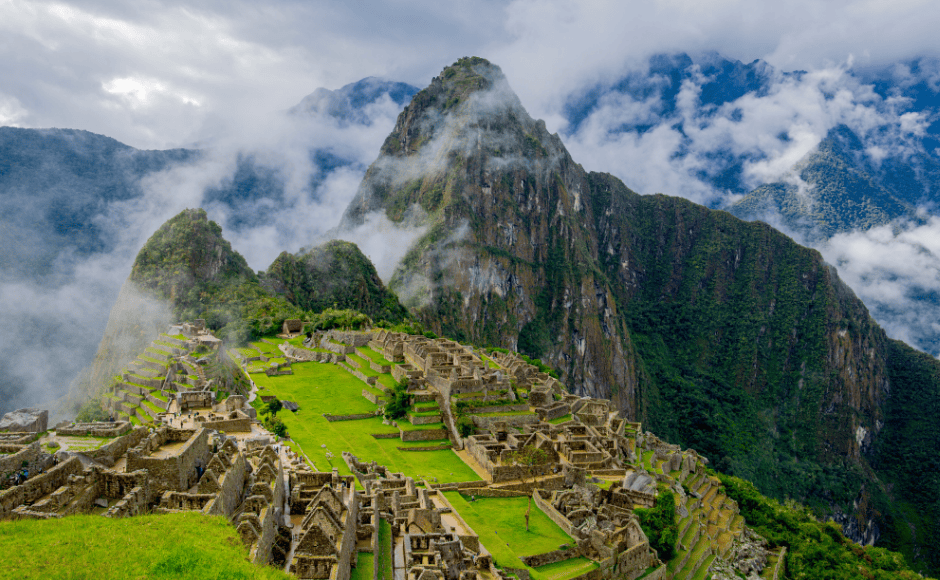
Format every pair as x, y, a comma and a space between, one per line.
498, 409
154, 383
240, 424
109, 453
354, 417
485, 423
38, 486
29, 454
372, 397
351, 338
358, 374
177, 470
424, 435
337, 348
552, 557
555, 515
424, 419
304, 354
553, 412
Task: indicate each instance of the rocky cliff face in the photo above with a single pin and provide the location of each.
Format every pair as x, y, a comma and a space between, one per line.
510, 257
717, 333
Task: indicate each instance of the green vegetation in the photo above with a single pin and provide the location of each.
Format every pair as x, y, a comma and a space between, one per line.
814, 549
385, 547
398, 402
184, 545
333, 275
499, 523
189, 263
333, 318
659, 524
92, 410
906, 457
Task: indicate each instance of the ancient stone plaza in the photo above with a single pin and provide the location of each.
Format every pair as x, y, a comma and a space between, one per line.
529, 449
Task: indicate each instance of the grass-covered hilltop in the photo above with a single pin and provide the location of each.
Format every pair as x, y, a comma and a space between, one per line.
577, 382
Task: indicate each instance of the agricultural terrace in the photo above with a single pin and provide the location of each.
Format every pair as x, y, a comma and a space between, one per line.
321, 389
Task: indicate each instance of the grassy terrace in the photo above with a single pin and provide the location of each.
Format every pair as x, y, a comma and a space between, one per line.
563, 419
151, 406
364, 367
500, 523
325, 388
184, 545
162, 363
374, 356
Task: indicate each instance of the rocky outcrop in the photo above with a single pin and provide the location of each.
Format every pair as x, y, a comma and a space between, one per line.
25, 420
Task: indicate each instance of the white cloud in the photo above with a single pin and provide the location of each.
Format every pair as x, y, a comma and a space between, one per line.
893, 269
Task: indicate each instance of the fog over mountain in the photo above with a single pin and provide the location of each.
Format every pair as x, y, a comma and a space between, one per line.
79, 206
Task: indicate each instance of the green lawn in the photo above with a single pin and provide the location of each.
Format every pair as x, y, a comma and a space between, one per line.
364, 567
385, 550
500, 523
562, 419
325, 388
183, 545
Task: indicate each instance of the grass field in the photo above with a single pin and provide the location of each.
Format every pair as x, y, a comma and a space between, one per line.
500, 523
325, 388
185, 545
365, 565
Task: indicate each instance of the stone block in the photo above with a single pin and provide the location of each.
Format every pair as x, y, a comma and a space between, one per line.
30, 420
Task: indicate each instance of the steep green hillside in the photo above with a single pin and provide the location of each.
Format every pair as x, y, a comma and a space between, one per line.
718, 334
333, 275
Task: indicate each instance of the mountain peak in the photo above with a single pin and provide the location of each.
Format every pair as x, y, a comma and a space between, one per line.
467, 116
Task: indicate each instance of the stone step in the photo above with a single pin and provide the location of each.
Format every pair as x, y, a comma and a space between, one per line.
710, 495
696, 555
725, 517
724, 541
131, 399
691, 534
162, 348
685, 523
157, 353
701, 573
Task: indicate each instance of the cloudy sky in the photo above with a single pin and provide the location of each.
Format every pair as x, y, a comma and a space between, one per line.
158, 74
